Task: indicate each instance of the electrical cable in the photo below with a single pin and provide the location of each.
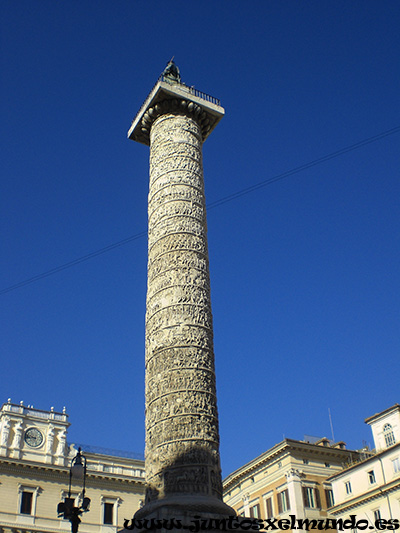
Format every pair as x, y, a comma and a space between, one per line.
212, 205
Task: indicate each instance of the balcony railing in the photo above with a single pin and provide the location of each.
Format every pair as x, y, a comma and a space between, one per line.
109, 451
192, 90
36, 413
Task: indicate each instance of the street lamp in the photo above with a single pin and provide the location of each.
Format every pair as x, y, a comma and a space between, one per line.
67, 509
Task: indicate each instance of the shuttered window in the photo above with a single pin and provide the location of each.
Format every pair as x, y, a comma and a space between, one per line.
283, 501
311, 497
255, 511
330, 502
268, 506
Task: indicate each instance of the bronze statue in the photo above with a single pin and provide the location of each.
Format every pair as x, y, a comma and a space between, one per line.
171, 72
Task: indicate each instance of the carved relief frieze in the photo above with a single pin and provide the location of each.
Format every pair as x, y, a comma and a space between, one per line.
173, 208
182, 357
188, 479
178, 241
177, 294
175, 180
166, 164
176, 315
164, 129
195, 291
173, 265
174, 150
179, 429
167, 408
194, 380
176, 337
181, 412
185, 191
175, 225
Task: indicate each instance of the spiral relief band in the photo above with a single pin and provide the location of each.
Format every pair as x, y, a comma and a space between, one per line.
181, 418
182, 435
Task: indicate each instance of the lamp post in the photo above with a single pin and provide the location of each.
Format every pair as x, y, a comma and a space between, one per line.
67, 509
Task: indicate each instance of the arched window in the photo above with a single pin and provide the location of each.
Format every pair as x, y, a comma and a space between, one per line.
389, 435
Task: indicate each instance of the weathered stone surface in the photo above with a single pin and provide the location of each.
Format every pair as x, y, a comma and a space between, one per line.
182, 438
183, 474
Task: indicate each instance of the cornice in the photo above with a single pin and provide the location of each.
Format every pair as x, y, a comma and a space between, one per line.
13, 465
370, 419
46, 471
284, 448
17, 528
175, 107
315, 449
365, 498
177, 99
362, 462
253, 465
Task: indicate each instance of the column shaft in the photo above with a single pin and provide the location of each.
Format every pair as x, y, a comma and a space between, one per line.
182, 440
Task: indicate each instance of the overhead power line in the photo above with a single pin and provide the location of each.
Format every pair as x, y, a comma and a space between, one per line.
74, 262
212, 205
295, 170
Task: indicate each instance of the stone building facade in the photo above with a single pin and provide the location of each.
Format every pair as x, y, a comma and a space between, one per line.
370, 488
288, 479
34, 476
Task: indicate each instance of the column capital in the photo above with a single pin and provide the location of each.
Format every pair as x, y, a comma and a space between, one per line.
175, 98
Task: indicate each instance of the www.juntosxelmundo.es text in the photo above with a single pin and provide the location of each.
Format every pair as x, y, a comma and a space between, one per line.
230, 523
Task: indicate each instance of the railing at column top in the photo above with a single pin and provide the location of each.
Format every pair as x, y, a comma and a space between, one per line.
192, 90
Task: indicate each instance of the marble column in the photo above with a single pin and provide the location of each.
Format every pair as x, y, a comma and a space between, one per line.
182, 438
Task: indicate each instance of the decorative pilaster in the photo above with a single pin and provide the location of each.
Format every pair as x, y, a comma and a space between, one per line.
61, 447
5, 433
17, 440
294, 477
49, 444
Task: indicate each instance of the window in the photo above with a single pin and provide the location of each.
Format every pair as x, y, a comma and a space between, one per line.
347, 487
396, 465
108, 515
371, 477
389, 435
330, 502
110, 510
311, 497
305, 461
255, 511
26, 502
327, 465
377, 515
268, 506
283, 501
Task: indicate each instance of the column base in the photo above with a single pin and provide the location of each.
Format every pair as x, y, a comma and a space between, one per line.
182, 513
186, 503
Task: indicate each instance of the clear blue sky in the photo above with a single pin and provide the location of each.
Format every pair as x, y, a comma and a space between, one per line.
304, 272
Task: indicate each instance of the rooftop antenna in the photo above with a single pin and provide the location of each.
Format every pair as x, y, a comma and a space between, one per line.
330, 420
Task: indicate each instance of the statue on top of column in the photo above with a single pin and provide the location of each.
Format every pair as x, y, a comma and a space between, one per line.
171, 72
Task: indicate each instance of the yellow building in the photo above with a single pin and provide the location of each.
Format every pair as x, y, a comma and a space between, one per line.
34, 476
289, 479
